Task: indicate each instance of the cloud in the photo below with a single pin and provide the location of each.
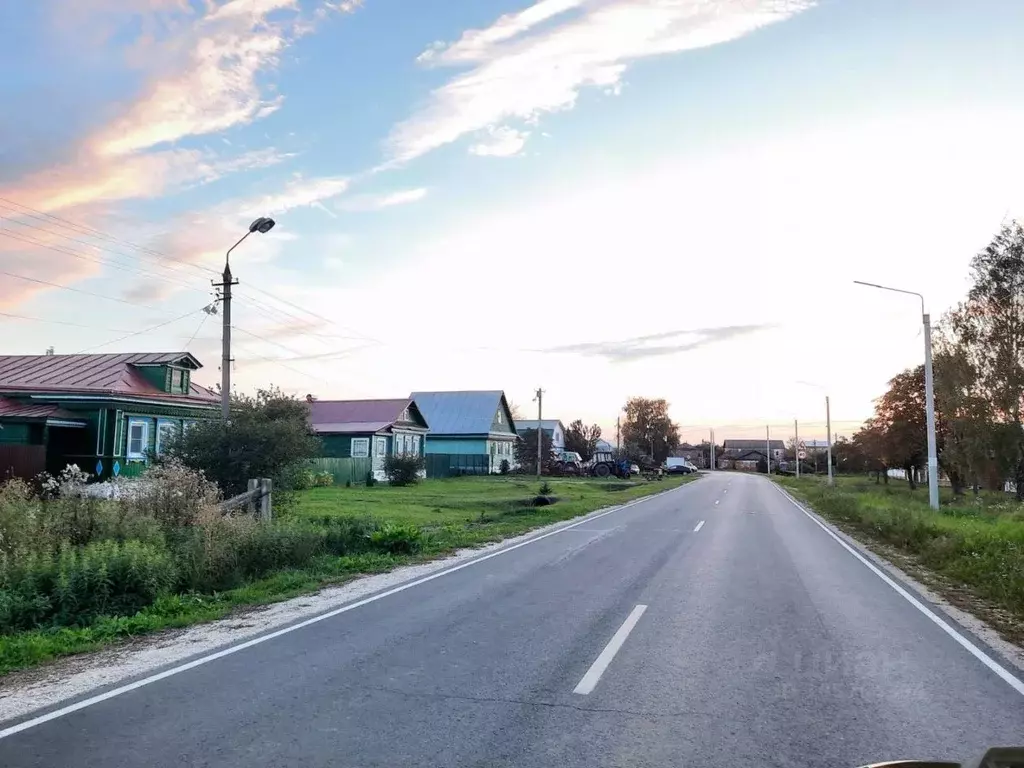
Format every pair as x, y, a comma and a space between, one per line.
640, 347
212, 84
379, 202
538, 60
296, 194
503, 142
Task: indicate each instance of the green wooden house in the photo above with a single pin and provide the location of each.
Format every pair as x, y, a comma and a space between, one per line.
109, 414
369, 429
474, 429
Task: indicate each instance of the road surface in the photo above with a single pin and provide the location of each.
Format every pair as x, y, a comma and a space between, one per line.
714, 625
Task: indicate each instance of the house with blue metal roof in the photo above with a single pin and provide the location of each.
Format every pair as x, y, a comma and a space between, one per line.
469, 424
553, 428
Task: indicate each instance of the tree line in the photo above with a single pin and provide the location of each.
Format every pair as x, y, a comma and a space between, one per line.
978, 365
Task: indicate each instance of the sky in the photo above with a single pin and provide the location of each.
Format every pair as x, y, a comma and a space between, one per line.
601, 198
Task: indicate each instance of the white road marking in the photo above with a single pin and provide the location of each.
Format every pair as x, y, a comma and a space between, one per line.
716, 501
699, 526
970, 647
114, 692
593, 676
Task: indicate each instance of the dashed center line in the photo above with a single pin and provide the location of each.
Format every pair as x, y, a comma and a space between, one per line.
593, 676
716, 501
699, 526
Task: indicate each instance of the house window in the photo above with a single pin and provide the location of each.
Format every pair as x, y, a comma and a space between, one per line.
360, 447
501, 417
165, 432
381, 446
405, 415
177, 380
416, 445
138, 438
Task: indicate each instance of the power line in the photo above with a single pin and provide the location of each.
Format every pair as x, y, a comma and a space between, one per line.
74, 290
61, 322
140, 333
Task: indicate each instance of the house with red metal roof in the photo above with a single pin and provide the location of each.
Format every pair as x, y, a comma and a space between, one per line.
109, 414
369, 429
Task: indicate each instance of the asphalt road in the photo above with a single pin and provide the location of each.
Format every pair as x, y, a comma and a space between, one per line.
763, 642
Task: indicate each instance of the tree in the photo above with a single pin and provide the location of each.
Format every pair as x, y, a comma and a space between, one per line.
647, 429
582, 439
526, 450
900, 414
989, 328
516, 411
870, 441
267, 436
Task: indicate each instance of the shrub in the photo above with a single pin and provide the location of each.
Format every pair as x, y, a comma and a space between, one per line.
323, 480
394, 539
545, 488
403, 470
172, 494
78, 584
504, 467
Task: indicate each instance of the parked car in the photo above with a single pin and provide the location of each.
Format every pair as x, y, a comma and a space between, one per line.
678, 466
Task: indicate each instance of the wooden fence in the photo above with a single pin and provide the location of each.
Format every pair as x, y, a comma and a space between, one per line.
257, 500
344, 471
441, 465
24, 461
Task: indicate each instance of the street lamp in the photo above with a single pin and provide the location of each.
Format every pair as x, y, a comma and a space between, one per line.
261, 225
828, 431
929, 394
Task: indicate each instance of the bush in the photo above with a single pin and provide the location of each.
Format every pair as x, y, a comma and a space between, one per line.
545, 488
396, 539
323, 480
504, 467
172, 494
265, 437
403, 470
78, 584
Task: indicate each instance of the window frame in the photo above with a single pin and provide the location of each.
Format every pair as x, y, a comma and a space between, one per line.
160, 424
179, 386
380, 447
364, 444
137, 455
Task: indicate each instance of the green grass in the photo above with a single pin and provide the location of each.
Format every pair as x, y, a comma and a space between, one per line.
447, 514
972, 543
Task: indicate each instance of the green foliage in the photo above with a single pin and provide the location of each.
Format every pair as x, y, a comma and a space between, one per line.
396, 539
265, 437
545, 488
403, 470
504, 468
78, 584
323, 480
648, 427
582, 439
526, 450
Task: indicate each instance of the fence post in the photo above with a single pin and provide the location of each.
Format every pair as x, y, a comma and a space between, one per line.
266, 505
254, 486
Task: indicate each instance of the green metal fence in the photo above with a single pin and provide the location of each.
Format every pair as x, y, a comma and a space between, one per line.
441, 465
344, 470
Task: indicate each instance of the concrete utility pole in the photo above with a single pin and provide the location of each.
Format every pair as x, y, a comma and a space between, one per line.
712, 450
618, 429
768, 447
929, 395
796, 447
828, 427
261, 225
539, 397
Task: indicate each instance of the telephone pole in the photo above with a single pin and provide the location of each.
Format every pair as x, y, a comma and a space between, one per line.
261, 225
796, 447
768, 447
712, 462
539, 397
618, 429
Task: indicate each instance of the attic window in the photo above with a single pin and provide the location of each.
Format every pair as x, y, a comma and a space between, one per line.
177, 379
501, 417
405, 415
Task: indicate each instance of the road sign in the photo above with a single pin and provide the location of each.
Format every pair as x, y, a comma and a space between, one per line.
803, 446
802, 454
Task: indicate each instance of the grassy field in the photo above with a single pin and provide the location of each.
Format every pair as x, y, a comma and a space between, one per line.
385, 527
972, 549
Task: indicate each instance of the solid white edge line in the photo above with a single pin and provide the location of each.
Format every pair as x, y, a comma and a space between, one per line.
114, 692
699, 526
593, 676
970, 647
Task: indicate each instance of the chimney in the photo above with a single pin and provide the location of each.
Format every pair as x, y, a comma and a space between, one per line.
49, 351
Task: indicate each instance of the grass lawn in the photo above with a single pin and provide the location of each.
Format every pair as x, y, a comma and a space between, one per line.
971, 549
440, 515
469, 511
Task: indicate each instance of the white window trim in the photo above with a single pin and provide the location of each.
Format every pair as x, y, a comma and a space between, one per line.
159, 432
380, 446
364, 447
129, 454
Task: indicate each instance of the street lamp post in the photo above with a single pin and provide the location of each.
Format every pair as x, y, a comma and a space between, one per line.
261, 225
929, 394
